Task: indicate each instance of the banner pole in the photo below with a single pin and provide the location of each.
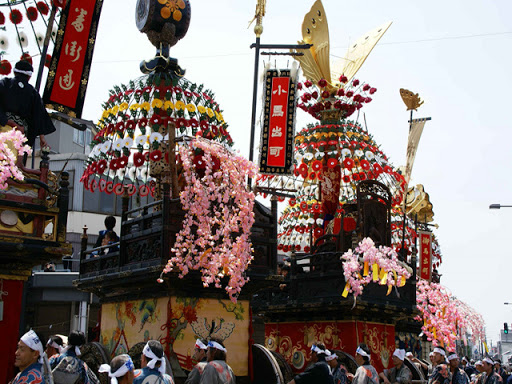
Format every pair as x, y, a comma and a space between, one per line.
45, 47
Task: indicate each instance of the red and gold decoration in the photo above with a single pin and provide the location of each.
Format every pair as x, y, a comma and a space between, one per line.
293, 340
68, 77
279, 123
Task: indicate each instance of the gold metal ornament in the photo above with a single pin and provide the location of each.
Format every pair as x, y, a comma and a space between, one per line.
411, 100
316, 62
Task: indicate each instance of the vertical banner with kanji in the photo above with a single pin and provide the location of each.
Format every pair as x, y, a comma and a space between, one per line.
278, 127
72, 56
425, 255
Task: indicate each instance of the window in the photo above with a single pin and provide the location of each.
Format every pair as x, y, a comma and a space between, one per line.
78, 137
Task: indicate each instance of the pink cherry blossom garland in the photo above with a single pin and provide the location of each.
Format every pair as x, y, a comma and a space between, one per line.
445, 318
220, 207
8, 158
388, 269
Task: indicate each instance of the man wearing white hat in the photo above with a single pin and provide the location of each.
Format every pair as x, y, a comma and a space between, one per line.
200, 348
153, 365
217, 371
339, 373
458, 374
490, 377
366, 373
29, 360
400, 373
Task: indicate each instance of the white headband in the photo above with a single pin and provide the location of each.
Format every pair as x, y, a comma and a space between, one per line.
331, 357
77, 349
53, 344
488, 360
31, 340
452, 356
126, 367
154, 359
362, 352
440, 351
319, 351
200, 344
216, 345
28, 73
478, 363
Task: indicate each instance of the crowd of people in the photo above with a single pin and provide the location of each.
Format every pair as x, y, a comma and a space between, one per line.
59, 363
444, 368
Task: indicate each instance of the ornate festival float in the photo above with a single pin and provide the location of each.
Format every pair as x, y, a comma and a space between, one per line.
192, 234
164, 147
351, 224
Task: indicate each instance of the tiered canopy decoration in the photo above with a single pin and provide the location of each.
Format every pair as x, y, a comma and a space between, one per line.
329, 158
133, 126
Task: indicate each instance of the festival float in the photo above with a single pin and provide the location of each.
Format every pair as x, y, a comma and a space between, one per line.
192, 235
197, 254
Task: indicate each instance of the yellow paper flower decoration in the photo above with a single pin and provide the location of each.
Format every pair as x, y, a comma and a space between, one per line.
168, 105
157, 103
145, 106
191, 107
180, 105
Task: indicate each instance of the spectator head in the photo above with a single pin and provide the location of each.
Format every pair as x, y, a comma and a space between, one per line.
54, 346
398, 357
487, 365
29, 351
200, 349
120, 370
363, 354
318, 352
439, 355
75, 340
332, 360
23, 69
216, 350
285, 270
110, 223
153, 356
49, 267
453, 360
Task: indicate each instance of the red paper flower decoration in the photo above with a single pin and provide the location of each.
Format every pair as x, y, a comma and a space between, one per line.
120, 127
304, 206
365, 164
138, 159
48, 61
103, 185
156, 155
348, 163
122, 162
32, 13
346, 179
114, 164
2, 19
143, 122
59, 3
318, 232
42, 7
109, 188
388, 169
5, 67
317, 165
332, 163
102, 165
26, 57
377, 169
317, 208
131, 189
118, 189
15, 16
155, 119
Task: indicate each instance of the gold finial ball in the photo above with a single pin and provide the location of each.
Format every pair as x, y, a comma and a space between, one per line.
258, 29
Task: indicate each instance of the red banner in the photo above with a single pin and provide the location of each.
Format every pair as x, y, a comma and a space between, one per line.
425, 255
278, 128
72, 56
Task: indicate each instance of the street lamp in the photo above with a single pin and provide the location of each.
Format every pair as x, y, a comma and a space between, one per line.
498, 206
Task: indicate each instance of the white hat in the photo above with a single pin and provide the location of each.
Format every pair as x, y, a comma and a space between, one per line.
400, 353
